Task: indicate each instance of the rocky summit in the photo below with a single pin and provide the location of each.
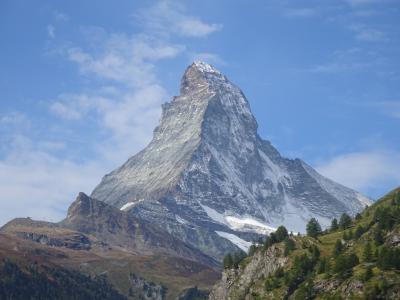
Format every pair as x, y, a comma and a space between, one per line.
211, 181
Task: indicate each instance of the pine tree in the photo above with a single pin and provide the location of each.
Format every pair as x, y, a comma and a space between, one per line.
323, 265
359, 232
338, 248
378, 236
313, 228
252, 249
334, 225
228, 261
345, 221
281, 233
367, 253
350, 235
368, 274
289, 246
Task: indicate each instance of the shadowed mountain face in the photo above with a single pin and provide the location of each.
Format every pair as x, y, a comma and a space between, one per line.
211, 181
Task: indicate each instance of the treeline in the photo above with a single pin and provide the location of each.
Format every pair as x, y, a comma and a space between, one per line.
367, 230
51, 283
280, 235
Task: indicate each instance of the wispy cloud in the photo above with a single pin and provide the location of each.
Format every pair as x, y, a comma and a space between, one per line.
123, 58
51, 31
352, 59
389, 108
207, 57
14, 119
60, 17
362, 2
364, 171
169, 17
120, 104
37, 184
301, 12
367, 34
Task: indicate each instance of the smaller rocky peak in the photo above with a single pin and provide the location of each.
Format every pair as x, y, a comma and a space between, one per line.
85, 207
81, 205
198, 76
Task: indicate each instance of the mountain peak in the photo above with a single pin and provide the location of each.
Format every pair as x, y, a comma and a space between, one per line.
204, 67
207, 168
200, 75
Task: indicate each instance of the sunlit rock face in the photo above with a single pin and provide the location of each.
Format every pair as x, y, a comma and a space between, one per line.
210, 180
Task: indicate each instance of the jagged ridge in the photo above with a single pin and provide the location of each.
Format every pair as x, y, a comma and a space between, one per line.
209, 178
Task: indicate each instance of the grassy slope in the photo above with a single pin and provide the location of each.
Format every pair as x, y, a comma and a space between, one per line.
349, 288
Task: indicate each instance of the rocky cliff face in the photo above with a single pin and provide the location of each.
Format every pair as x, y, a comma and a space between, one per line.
211, 181
237, 283
119, 228
364, 267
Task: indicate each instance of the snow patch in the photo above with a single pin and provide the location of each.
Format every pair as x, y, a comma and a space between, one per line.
130, 204
364, 200
242, 244
213, 214
238, 224
180, 220
248, 224
127, 205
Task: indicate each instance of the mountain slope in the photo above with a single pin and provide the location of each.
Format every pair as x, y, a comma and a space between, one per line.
211, 181
361, 261
139, 260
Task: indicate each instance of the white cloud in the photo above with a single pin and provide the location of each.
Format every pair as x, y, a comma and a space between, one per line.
364, 171
37, 184
76, 106
301, 12
206, 57
390, 108
362, 2
126, 59
15, 119
168, 17
368, 34
195, 27
121, 102
51, 31
60, 17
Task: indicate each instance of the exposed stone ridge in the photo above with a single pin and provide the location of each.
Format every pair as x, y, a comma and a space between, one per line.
209, 179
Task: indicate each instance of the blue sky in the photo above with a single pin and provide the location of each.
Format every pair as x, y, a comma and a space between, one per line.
81, 84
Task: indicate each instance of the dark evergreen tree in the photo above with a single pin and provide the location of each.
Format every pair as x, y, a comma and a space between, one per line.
290, 245
388, 258
228, 261
338, 248
323, 266
281, 233
367, 253
252, 250
378, 236
368, 274
345, 221
315, 253
313, 228
397, 198
359, 232
344, 264
334, 225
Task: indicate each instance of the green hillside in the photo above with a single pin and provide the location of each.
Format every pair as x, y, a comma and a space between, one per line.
356, 258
